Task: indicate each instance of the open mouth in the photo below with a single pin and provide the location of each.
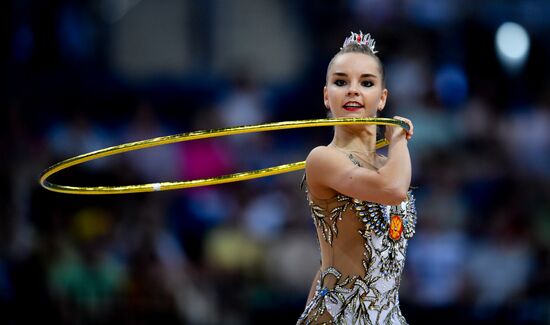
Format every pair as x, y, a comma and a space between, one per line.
352, 106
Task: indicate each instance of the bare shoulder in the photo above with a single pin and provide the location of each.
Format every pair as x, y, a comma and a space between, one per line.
322, 155
319, 151
323, 166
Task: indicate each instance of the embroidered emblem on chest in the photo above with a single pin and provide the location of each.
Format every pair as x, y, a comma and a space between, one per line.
393, 225
396, 227
395, 222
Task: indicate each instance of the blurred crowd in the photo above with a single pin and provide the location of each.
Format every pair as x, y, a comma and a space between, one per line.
81, 76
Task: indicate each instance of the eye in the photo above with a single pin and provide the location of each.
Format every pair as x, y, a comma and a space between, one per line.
339, 82
367, 83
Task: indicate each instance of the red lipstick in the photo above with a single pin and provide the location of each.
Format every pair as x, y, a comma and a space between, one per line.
353, 106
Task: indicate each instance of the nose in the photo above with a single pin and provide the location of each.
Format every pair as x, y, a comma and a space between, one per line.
352, 90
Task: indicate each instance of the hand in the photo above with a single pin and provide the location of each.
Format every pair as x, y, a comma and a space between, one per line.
394, 132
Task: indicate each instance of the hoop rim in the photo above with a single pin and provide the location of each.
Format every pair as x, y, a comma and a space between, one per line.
196, 135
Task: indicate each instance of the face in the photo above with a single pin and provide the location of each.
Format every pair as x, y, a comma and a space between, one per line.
354, 86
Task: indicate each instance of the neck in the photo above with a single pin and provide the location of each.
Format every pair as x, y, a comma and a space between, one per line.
355, 138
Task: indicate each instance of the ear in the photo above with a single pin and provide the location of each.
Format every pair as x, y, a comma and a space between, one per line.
325, 97
383, 98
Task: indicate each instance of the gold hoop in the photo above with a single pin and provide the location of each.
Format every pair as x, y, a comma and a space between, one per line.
195, 135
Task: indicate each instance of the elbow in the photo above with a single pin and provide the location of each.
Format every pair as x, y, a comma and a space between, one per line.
395, 197
400, 196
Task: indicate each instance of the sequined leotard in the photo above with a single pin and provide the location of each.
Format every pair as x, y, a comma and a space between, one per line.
363, 248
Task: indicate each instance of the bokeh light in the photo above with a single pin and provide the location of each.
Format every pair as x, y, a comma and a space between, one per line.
512, 45
451, 85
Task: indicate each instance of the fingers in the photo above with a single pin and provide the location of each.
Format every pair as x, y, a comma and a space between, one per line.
409, 133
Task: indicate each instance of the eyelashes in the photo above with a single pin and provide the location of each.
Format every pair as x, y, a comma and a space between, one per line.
341, 83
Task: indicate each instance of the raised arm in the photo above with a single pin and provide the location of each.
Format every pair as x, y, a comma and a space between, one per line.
329, 171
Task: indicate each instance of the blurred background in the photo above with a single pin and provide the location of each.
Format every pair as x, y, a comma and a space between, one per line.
82, 75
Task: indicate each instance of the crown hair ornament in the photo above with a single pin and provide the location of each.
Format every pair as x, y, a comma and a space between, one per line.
360, 39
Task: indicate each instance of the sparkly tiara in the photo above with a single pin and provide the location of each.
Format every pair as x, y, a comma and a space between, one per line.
360, 39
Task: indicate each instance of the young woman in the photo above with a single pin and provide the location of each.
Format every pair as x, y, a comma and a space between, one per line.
360, 201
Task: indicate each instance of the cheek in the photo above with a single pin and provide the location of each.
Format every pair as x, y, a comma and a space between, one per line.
329, 96
375, 95
334, 92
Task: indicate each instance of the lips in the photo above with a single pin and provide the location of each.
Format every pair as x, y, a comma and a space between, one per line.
353, 106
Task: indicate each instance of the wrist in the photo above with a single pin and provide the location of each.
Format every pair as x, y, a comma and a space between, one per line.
398, 138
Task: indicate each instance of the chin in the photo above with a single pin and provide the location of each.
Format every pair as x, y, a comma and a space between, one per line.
354, 115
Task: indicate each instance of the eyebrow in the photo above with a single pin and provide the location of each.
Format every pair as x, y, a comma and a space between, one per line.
364, 75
